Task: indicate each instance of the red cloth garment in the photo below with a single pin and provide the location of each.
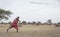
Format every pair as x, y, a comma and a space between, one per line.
14, 23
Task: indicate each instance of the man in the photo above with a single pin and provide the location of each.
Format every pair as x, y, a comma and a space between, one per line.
14, 24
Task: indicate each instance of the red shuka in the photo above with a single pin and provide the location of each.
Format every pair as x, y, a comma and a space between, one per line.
14, 23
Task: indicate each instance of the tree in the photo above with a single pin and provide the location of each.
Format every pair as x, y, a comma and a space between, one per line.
4, 14
57, 24
33, 22
38, 23
23, 22
49, 22
29, 22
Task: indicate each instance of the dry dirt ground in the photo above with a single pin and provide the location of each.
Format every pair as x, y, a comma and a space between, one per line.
31, 31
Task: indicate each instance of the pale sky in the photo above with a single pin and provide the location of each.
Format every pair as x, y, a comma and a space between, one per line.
33, 12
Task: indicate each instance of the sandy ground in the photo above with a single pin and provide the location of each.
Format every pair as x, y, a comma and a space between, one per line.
31, 31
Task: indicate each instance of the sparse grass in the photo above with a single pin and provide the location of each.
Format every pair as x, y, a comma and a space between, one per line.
3, 28
31, 31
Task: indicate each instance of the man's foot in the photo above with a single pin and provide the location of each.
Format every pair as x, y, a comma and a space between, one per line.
7, 30
17, 31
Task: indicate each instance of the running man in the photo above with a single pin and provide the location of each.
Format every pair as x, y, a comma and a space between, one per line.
14, 24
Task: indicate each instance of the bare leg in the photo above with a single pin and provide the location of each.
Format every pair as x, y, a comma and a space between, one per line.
9, 28
16, 29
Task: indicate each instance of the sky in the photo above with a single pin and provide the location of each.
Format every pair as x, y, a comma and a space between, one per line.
31, 11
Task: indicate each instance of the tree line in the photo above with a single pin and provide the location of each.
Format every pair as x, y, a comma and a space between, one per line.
5, 14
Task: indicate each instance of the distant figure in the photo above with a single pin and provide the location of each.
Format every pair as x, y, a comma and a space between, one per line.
14, 24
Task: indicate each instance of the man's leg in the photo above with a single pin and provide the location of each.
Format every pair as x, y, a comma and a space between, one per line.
16, 28
9, 28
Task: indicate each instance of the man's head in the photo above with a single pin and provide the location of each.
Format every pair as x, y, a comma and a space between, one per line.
18, 17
